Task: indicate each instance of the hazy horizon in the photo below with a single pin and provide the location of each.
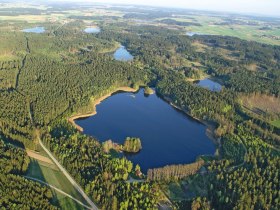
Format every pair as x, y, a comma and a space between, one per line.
257, 7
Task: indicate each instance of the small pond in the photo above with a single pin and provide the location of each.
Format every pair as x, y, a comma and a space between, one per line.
92, 30
122, 54
37, 30
209, 84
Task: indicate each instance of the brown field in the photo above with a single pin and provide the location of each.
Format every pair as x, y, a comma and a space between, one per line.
227, 54
261, 104
38, 156
252, 67
28, 18
199, 46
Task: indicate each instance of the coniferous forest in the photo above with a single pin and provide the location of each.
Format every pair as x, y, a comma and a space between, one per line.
46, 78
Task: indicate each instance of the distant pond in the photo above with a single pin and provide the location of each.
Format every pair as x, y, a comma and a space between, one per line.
190, 33
37, 30
209, 84
92, 30
122, 54
168, 136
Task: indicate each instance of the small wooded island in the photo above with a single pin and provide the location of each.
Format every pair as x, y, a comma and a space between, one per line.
132, 144
148, 91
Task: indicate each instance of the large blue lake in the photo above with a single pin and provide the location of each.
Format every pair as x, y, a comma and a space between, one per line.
168, 135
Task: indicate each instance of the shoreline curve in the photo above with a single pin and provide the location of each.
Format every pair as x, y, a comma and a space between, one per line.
209, 128
97, 102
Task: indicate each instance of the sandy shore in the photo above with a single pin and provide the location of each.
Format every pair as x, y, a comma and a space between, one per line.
95, 103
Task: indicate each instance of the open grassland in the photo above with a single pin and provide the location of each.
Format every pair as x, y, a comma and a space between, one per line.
60, 17
212, 26
36, 19
248, 32
28, 18
243, 32
103, 12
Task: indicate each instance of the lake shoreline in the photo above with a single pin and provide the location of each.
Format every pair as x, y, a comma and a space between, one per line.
210, 128
97, 102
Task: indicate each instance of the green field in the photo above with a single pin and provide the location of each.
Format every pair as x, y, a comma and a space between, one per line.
51, 174
210, 26
276, 123
243, 32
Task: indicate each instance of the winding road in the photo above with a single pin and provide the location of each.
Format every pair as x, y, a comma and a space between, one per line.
69, 177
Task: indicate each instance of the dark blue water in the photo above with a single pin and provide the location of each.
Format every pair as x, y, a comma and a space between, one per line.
37, 30
122, 54
168, 136
92, 30
209, 84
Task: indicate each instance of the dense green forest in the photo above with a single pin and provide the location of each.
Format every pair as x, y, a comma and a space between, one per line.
254, 185
104, 178
17, 192
46, 78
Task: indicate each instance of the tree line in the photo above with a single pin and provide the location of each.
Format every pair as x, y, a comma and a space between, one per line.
174, 172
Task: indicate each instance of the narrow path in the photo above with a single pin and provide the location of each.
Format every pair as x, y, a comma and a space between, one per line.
230, 168
27, 45
241, 164
58, 190
30, 112
19, 71
23, 62
69, 177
